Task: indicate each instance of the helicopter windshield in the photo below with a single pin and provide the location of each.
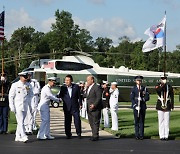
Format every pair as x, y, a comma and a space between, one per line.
71, 66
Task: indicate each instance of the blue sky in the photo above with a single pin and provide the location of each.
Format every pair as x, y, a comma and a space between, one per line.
105, 18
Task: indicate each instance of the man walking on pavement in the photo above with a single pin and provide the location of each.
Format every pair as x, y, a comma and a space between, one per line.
20, 95
72, 103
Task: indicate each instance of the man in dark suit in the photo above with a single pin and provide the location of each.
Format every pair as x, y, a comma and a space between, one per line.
72, 102
94, 103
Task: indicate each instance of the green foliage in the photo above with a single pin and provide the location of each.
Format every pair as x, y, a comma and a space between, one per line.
27, 44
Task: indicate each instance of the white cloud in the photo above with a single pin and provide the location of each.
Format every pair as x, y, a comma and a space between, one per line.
112, 28
46, 24
97, 1
16, 19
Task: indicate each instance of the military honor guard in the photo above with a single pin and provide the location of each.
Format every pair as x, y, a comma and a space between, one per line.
139, 96
105, 101
113, 101
20, 95
4, 103
165, 104
43, 107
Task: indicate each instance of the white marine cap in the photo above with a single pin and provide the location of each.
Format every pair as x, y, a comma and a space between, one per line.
52, 78
23, 73
105, 82
81, 82
114, 83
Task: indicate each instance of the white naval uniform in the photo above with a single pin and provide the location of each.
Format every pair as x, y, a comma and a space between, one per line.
30, 120
113, 102
43, 107
20, 95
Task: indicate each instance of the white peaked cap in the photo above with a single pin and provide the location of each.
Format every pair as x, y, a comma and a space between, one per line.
22, 73
114, 83
52, 78
105, 82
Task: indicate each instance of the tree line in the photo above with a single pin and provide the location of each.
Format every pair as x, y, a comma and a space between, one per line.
26, 44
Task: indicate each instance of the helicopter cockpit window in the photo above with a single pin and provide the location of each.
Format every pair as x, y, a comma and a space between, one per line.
71, 66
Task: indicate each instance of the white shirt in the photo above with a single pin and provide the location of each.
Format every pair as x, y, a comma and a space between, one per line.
90, 88
46, 96
70, 90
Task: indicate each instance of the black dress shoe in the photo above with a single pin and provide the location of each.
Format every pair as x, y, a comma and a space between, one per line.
141, 138
94, 139
5, 133
137, 138
166, 139
68, 137
79, 137
162, 139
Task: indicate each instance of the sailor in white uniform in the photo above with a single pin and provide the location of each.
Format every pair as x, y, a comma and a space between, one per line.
113, 102
20, 95
43, 107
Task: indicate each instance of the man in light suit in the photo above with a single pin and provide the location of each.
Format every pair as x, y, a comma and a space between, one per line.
72, 102
94, 103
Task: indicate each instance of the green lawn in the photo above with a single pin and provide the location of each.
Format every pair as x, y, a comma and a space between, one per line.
12, 123
153, 100
126, 125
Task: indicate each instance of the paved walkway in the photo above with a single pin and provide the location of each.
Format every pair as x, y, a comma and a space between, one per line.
57, 125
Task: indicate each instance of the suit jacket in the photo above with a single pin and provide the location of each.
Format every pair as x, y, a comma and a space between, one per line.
144, 94
6, 86
95, 97
71, 103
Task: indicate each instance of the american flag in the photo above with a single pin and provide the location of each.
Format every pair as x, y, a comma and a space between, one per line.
2, 25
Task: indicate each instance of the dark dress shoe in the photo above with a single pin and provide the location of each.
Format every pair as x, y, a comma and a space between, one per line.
79, 137
94, 139
137, 138
141, 138
68, 137
162, 139
166, 139
5, 133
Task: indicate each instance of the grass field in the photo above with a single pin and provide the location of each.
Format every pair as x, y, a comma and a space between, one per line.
126, 125
153, 100
12, 123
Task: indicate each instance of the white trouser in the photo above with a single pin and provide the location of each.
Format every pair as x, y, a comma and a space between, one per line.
106, 117
35, 101
84, 109
28, 120
114, 117
44, 129
163, 119
20, 130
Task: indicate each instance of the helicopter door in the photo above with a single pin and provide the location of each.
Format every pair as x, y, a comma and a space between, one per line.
41, 77
100, 78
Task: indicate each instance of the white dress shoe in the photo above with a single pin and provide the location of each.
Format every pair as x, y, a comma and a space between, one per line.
49, 137
24, 139
18, 139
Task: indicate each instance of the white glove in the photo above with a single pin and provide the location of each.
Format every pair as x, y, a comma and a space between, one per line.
13, 110
2, 78
139, 99
137, 108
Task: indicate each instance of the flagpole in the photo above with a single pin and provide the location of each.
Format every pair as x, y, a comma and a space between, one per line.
2, 62
165, 54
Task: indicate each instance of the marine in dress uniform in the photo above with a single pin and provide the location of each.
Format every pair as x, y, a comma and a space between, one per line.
4, 103
105, 101
139, 96
113, 101
43, 107
19, 96
164, 105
